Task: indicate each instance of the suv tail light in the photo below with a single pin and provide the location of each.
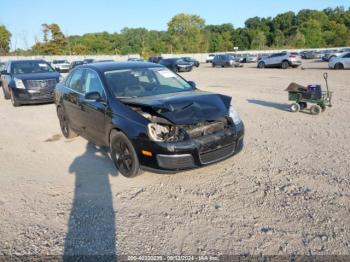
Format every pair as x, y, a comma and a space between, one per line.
293, 56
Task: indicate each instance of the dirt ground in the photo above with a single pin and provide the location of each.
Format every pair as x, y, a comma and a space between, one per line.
287, 192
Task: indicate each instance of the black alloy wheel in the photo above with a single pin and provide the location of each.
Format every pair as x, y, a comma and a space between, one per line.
123, 155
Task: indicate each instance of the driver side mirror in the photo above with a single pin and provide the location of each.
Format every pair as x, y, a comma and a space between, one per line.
93, 96
192, 83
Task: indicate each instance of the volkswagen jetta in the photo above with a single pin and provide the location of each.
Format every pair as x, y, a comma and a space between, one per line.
148, 116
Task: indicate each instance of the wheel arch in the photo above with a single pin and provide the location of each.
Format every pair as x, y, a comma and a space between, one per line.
339, 63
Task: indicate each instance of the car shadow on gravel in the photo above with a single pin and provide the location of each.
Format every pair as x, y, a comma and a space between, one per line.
91, 226
279, 106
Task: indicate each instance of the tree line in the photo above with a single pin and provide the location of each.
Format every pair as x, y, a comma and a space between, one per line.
190, 34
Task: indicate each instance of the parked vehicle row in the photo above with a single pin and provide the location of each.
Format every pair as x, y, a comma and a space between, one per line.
182, 64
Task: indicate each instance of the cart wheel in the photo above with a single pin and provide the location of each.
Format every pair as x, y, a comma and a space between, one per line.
315, 109
302, 105
294, 108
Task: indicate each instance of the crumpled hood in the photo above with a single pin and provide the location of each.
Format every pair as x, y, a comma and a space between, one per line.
38, 76
185, 108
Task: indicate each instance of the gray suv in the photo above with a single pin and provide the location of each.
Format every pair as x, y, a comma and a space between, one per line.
281, 60
224, 60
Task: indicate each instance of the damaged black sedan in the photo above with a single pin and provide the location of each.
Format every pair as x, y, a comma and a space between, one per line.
149, 117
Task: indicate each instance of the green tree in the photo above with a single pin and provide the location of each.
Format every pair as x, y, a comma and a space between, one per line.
55, 42
279, 38
187, 33
5, 39
313, 33
258, 40
220, 37
297, 40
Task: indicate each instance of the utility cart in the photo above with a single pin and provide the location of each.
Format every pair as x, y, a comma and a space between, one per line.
311, 94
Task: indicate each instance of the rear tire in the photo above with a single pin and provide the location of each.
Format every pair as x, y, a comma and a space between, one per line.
124, 155
261, 65
294, 108
213, 65
64, 124
338, 66
7, 96
315, 110
285, 65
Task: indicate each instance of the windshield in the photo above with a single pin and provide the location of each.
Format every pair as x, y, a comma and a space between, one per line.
27, 67
140, 82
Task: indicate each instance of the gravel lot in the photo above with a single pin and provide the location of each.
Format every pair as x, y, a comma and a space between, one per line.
287, 192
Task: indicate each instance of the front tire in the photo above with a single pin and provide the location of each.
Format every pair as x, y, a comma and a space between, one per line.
64, 124
124, 155
261, 65
14, 101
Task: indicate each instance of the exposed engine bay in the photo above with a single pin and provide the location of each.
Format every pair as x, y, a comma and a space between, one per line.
164, 130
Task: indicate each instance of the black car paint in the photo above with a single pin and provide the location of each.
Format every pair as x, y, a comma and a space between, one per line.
75, 64
155, 59
185, 108
191, 60
95, 120
23, 96
177, 64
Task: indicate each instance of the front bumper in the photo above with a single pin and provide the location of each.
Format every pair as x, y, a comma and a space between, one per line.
184, 68
25, 96
192, 153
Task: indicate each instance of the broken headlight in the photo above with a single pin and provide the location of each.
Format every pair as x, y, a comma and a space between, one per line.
161, 133
234, 116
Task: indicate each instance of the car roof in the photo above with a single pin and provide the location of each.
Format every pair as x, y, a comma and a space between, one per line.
110, 66
28, 60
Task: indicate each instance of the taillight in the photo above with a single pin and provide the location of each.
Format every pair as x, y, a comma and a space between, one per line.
293, 56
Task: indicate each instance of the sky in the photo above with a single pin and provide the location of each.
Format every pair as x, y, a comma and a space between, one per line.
75, 17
